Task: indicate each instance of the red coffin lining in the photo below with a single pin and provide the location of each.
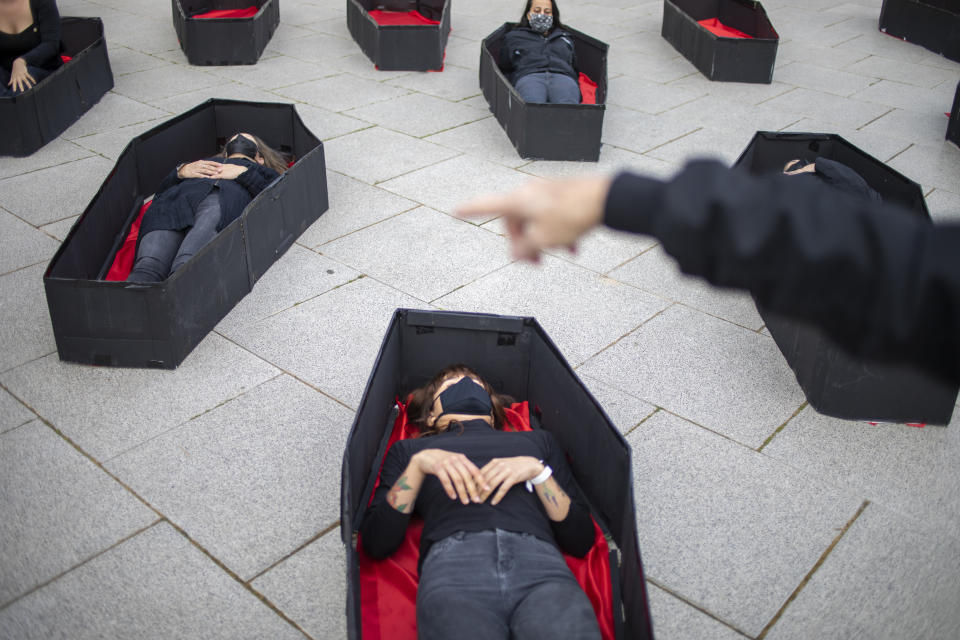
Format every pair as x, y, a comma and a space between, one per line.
401, 18
588, 90
249, 12
713, 25
388, 588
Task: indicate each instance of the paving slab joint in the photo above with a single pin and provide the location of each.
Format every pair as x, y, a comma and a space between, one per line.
307, 543
782, 426
705, 612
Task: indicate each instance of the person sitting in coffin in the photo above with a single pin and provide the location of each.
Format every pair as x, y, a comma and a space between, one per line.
540, 57
497, 508
197, 200
29, 44
832, 173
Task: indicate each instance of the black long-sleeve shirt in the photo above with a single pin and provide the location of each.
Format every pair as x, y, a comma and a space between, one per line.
879, 280
384, 528
45, 54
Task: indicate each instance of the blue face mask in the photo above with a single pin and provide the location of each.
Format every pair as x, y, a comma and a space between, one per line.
541, 22
466, 397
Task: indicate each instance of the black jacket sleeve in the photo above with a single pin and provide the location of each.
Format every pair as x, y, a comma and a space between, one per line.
574, 534
47, 20
256, 178
383, 527
880, 281
168, 181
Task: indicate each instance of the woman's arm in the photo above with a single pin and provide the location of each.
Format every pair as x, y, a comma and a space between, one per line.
46, 18
256, 178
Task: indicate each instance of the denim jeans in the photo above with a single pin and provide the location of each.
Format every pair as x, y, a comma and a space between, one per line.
7, 92
555, 88
162, 252
497, 584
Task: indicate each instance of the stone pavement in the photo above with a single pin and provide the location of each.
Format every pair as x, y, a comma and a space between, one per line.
203, 502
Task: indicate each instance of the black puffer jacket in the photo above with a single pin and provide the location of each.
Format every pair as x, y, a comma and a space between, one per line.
525, 51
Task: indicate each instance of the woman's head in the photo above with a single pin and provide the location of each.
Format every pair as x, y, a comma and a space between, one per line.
250, 146
541, 15
465, 393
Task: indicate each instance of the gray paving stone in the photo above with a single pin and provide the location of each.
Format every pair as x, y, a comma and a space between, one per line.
25, 331
111, 112
396, 154
326, 124
732, 115
944, 206
625, 410
904, 96
148, 35
927, 129
334, 26
827, 107
270, 73
812, 76
904, 468
49, 487
12, 412
300, 274
582, 311
56, 152
917, 75
110, 144
880, 44
726, 528
655, 271
230, 90
722, 376
827, 57
612, 159
463, 53
353, 205
725, 145
889, 577
640, 132
674, 619
873, 141
310, 587
649, 97
484, 139
661, 70
54, 193
23, 244
318, 48
124, 60
422, 252
199, 474
604, 249
330, 341
932, 166
418, 114
154, 85
445, 185
453, 83
358, 64
155, 585
108, 410
60, 228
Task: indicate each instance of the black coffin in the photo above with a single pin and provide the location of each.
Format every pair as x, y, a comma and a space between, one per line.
401, 48
718, 58
158, 324
932, 24
224, 41
517, 357
31, 120
547, 131
953, 128
836, 383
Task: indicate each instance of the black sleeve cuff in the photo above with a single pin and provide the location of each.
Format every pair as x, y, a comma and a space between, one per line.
383, 530
629, 202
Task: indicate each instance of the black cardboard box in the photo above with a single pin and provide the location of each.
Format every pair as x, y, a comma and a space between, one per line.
547, 131
517, 357
31, 120
835, 382
401, 47
224, 41
720, 58
953, 127
932, 24
158, 324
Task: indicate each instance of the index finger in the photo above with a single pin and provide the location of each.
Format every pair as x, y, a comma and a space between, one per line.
500, 204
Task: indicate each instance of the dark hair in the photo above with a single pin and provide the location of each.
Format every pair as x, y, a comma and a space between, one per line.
421, 400
525, 21
271, 157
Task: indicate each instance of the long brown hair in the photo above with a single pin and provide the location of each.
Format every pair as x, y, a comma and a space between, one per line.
422, 399
271, 157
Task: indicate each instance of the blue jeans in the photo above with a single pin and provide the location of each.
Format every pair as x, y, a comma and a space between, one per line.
162, 252
555, 88
7, 92
497, 584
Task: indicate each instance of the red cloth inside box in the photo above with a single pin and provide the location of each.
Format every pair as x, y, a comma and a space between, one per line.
401, 18
388, 588
588, 90
123, 261
713, 25
249, 12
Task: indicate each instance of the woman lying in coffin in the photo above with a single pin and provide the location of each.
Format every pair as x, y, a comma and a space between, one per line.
197, 200
540, 57
497, 509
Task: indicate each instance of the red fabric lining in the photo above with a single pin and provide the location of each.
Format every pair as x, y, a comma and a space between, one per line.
588, 90
66, 58
400, 18
123, 261
388, 588
713, 25
249, 12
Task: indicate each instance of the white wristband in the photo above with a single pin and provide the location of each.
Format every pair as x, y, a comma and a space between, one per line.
540, 477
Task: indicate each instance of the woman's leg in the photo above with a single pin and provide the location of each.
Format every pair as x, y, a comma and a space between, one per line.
533, 87
204, 230
459, 591
562, 89
154, 256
